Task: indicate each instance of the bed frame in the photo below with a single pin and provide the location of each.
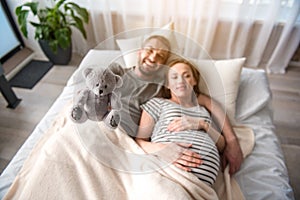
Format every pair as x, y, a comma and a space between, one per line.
263, 174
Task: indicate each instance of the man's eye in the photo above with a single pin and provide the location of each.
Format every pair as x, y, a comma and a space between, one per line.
161, 56
148, 50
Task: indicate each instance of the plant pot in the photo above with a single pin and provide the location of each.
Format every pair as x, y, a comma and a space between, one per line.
61, 57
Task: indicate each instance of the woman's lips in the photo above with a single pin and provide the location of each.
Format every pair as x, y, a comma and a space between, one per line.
181, 87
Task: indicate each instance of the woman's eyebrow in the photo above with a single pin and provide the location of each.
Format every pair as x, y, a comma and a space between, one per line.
185, 72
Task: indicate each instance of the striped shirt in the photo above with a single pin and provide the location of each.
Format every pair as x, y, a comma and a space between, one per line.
163, 111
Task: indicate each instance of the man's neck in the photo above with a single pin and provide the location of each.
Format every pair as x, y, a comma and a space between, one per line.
142, 76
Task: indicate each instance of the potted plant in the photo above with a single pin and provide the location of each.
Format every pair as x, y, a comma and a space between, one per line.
53, 28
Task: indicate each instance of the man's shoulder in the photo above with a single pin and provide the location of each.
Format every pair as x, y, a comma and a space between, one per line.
118, 69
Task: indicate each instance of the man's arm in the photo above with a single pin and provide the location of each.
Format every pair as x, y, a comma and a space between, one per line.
117, 69
232, 153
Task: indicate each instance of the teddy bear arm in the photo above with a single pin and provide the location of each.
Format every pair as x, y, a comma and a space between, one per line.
115, 101
81, 98
78, 113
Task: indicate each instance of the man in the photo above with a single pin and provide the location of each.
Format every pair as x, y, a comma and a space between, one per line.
145, 80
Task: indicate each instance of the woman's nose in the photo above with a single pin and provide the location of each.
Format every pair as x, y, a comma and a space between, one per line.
180, 79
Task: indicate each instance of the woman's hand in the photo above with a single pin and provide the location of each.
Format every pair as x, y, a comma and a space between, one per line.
188, 123
187, 158
193, 123
176, 153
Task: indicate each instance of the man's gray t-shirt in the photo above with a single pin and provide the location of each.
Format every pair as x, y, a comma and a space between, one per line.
133, 93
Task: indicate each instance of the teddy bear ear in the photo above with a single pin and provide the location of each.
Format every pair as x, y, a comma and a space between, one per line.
119, 81
107, 70
86, 72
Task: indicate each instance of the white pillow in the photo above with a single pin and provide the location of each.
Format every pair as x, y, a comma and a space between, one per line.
254, 93
220, 80
129, 47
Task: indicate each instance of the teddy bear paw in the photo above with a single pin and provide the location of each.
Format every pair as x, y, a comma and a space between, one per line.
114, 121
77, 113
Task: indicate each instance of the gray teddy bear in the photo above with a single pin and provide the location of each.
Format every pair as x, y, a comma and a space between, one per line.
98, 101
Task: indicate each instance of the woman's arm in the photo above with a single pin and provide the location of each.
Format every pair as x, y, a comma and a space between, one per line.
232, 152
196, 123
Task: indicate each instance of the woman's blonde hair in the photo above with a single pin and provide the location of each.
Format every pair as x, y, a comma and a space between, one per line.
195, 72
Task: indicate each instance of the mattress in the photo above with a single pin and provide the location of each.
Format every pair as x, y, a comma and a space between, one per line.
263, 174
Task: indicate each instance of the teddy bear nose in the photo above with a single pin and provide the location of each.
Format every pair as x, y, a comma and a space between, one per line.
100, 91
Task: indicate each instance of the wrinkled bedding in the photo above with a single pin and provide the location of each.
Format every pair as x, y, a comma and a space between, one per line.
91, 161
263, 175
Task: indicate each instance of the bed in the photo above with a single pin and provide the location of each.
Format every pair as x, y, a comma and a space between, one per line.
263, 174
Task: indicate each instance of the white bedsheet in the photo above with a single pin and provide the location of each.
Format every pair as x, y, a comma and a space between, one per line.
263, 174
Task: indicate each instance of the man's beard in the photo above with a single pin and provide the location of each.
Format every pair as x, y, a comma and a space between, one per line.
153, 69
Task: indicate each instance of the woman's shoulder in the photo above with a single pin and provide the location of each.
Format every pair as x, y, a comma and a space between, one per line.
204, 100
159, 99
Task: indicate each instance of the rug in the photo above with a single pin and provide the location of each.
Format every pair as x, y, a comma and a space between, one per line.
31, 74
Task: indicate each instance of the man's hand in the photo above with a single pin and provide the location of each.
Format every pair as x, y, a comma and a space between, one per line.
232, 155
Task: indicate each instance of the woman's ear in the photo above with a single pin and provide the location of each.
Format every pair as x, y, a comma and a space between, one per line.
194, 82
167, 86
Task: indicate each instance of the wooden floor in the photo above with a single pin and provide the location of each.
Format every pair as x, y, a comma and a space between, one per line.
286, 104
17, 124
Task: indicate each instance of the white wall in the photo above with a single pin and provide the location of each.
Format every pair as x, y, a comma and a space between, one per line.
30, 42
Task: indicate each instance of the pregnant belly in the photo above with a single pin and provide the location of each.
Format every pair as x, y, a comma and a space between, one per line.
202, 144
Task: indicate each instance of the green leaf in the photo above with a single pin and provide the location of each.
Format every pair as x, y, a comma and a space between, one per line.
22, 20
53, 45
24, 31
54, 23
79, 25
63, 37
33, 6
82, 12
58, 4
18, 10
22, 15
38, 33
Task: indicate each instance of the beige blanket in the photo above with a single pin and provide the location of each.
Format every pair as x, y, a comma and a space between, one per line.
90, 161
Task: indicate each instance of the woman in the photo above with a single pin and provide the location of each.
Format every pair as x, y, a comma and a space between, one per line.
181, 103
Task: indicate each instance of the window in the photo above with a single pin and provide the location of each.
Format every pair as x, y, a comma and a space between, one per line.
10, 41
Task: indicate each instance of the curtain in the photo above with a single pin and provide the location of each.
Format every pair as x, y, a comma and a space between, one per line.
266, 32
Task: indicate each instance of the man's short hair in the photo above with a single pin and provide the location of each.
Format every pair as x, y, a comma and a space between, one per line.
161, 38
